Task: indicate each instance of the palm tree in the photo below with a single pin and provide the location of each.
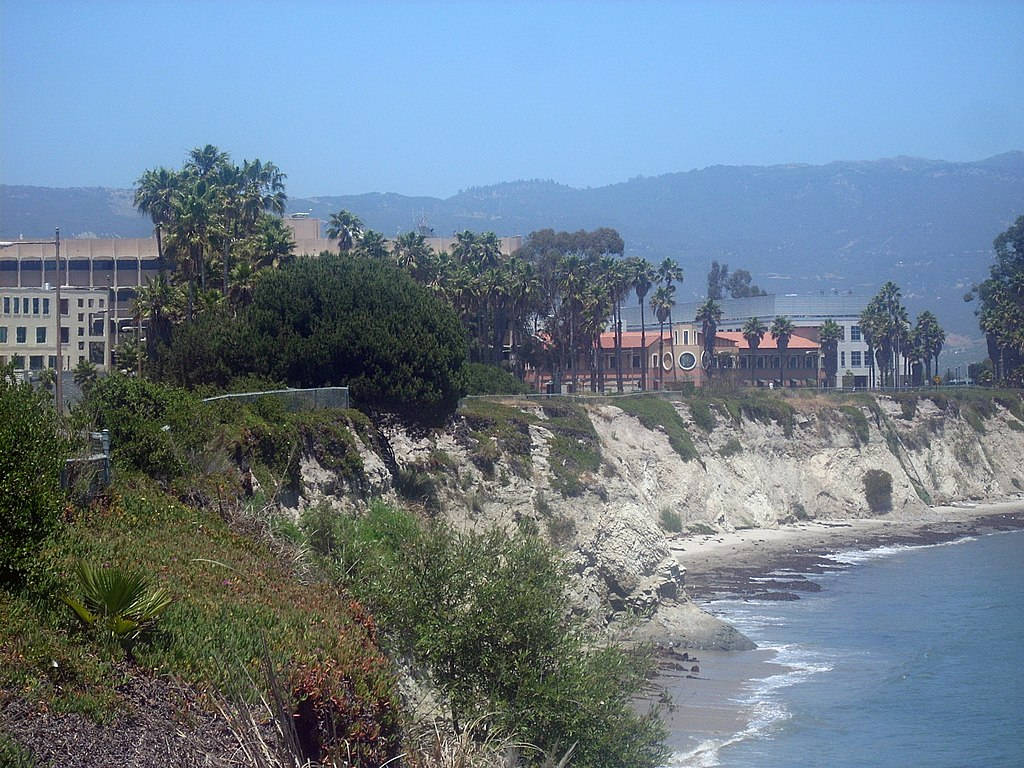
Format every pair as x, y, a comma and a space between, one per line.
662, 303
829, 336
346, 227
644, 277
372, 245
204, 162
668, 273
753, 331
153, 194
85, 374
411, 252
709, 315
782, 331
193, 227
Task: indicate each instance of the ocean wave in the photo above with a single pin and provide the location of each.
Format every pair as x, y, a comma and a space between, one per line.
857, 556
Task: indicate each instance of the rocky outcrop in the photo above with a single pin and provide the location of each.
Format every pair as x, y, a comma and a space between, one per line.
634, 495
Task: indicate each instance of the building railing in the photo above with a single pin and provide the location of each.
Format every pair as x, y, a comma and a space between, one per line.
295, 399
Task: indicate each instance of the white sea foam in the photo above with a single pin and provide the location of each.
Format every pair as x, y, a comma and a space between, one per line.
857, 556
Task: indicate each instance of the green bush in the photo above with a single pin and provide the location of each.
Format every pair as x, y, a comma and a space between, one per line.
1015, 425
878, 490
908, 406
575, 447
335, 320
702, 414
414, 484
154, 428
482, 379
32, 454
670, 520
485, 613
858, 423
731, 448
655, 413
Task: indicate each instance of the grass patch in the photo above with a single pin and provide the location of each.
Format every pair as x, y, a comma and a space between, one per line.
575, 450
494, 430
670, 520
415, 484
703, 416
561, 529
731, 448
655, 413
857, 423
878, 490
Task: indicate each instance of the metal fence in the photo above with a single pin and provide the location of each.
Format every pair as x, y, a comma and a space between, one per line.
86, 476
295, 399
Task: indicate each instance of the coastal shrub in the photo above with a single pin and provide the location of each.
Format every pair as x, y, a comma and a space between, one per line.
1015, 425
156, 429
857, 422
908, 406
414, 484
32, 453
702, 414
482, 379
670, 520
731, 448
335, 320
575, 449
12, 755
486, 614
701, 529
798, 512
765, 409
1013, 403
561, 529
1016, 484
973, 416
506, 428
657, 413
878, 490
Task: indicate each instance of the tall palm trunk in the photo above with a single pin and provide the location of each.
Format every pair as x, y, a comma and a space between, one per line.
618, 347
661, 354
643, 348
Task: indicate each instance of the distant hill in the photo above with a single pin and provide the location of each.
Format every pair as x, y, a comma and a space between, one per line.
927, 224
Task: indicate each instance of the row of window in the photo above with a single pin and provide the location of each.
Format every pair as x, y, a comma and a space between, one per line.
35, 362
21, 334
17, 305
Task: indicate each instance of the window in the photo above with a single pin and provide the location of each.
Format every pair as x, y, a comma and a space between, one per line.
64, 334
81, 346
7, 305
81, 303
686, 337
17, 305
46, 306
51, 362
812, 361
81, 317
794, 361
35, 306
842, 333
636, 362
654, 360
35, 363
101, 303
687, 361
96, 352
842, 359
19, 362
81, 331
855, 359
854, 333
64, 306
41, 334
3, 334
20, 334
90, 303
675, 337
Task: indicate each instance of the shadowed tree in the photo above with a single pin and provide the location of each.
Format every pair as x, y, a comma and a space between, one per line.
782, 331
753, 331
346, 227
661, 303
829, 336
644, 277
709, 315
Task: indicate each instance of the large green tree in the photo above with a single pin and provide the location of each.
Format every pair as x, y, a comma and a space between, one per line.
831, 333
1001, 310
709, 315
782, 331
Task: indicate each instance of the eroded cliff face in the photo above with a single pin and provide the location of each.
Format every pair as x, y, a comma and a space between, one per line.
619, 498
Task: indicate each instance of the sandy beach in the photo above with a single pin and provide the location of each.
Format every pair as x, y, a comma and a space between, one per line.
770, 564
736, 564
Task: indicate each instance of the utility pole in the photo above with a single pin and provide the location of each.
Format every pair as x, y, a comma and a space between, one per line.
60, 355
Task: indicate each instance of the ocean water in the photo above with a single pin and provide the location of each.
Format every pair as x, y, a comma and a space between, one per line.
907, 657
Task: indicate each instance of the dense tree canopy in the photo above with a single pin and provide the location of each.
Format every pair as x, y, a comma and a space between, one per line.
1001, 313
335, 320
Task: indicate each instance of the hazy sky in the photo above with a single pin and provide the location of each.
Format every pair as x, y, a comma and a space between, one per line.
429, 98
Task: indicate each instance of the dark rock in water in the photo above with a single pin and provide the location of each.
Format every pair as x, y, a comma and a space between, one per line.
795, 585
695, 668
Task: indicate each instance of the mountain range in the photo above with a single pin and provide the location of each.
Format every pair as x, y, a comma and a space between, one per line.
844, 226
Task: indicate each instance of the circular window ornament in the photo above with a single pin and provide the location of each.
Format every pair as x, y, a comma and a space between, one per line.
687, 361
666, 361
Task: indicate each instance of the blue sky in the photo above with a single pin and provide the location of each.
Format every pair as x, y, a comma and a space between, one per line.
429, 98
